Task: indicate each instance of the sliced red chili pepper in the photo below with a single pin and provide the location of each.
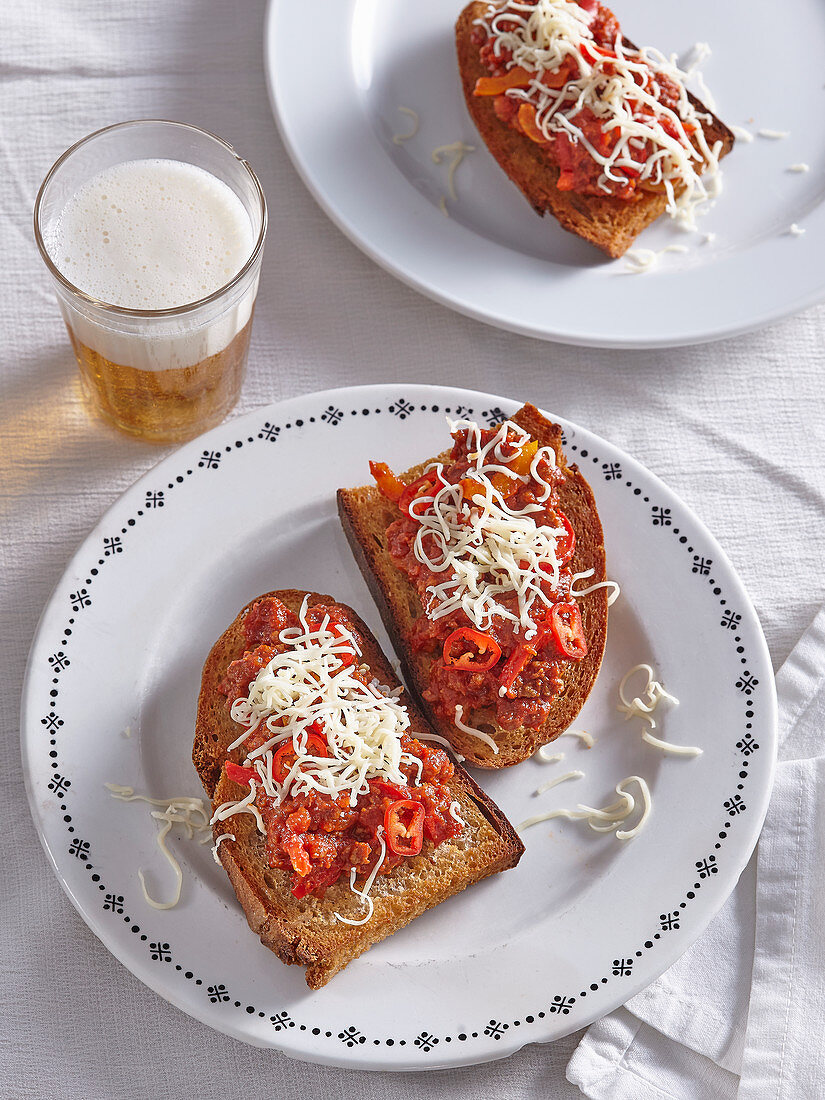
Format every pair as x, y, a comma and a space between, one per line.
286, 756
458, 650
567, 630
239, 774
423, 486
404, 827
391, 486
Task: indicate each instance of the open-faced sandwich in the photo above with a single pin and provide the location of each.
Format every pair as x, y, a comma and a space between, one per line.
472, 558
337, 814
601, 134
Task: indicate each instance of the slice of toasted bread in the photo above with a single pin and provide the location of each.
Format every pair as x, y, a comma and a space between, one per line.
609, 223
366, 515
306, 931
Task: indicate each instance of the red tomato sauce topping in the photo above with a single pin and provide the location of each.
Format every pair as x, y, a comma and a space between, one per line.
579, 171
470, 672
318, 838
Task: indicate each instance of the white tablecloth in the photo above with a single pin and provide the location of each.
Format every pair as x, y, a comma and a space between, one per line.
736, 428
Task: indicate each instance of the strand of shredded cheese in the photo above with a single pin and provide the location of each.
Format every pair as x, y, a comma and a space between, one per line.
364, 892
615, 589
457, 150
559, 779
482, 736
582, 735
607, 818
643, 705
455, 814
177, 811
218, 841
543, 758
398, 139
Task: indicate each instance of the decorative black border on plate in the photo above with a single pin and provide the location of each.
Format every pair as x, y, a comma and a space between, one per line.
215, 989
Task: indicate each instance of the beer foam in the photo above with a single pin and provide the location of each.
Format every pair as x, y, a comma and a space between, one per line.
151, 234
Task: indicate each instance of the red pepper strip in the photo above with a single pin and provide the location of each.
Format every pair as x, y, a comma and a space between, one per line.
238, 774
424, 486
566, 543
495, 85
527, 122
567, 630
391, 486
489, 651
286, 756
391, 790
298, 855
514, 664
404, 827
593, 53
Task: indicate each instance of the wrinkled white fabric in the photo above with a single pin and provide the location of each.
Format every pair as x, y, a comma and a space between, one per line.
742, 1013
735, 428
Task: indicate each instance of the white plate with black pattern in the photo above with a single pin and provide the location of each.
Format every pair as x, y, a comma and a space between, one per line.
492, 258
583, 923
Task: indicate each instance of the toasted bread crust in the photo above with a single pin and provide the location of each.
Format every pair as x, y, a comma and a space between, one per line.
609, 223
305, 931
366, 515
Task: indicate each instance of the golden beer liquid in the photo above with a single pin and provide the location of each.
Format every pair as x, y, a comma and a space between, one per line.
165, 406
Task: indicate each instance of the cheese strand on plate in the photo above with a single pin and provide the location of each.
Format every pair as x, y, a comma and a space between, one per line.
643, 708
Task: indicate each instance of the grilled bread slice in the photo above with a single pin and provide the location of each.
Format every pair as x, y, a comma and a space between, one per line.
366, 514
306, 931
609, 223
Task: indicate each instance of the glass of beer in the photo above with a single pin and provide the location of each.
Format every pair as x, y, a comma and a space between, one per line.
153, 233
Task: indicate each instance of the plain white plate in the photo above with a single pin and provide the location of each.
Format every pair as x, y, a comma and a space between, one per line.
493, 259
583, 922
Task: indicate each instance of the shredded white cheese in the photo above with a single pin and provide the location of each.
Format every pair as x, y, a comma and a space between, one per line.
218, 841
313, 681
741, 134
615, 590
480, 734
607, 818
177, 811
441, 741
543, 758
364, 892
799, 168
457, 151
582, 735
773, 135
796, 230
485, 549
543, 36
455, 814
398, 139
643, 705
558, 779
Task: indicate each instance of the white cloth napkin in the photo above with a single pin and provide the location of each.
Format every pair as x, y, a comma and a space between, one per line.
742, 1013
